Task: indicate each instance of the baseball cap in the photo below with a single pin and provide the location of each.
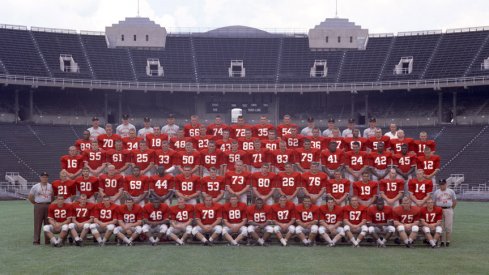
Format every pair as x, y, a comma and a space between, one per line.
125, 116
171, 116
373, 119
146, 119
44, 174
95, 118
351, 120
310, 119
442, 181
331, 120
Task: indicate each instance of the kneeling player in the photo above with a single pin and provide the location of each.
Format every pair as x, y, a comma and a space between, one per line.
283, 218
354, 218
82, 218
234, 217
379, 217
208, 217
307, 216
406, 220
59, 216
330, 219
104, 220
155, 219
130, 216
181, 216
258, 215
431, 217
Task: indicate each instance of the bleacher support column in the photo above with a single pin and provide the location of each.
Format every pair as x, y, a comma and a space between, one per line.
366, 109
31, 104
106, 107
454, 108
352, 106
16, 105
120, 107
440, 107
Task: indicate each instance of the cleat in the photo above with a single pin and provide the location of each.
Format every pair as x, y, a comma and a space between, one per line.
447, 244
397, 241
283, 242
331, 244
130, 244
78, 243
206, 243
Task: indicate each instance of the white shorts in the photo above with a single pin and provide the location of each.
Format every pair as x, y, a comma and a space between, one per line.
438, 229
85, 225
216, 229
290, 229
242, 230
50, 228
152, 229
313, 229
135, 229
95, 226
325, 230
177, 231
381, 230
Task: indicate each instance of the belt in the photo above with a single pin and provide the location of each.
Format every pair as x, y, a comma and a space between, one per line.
43, 203
446, 207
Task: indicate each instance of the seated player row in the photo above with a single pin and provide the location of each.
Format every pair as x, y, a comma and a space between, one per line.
236, 221
263, 184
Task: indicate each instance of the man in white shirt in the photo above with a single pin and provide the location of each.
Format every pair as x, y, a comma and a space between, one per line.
329, 132
348, 132
392, 134
40, 196
446, 199
310, 125
123, 129
372, 127
170, 128
147, 129
95, 130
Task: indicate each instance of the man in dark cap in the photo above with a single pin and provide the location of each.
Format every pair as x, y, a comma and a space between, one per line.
372, 127
331, 125
124, 128
41, 195
147, 129
310, 125
348, 132
446, 199
95, 130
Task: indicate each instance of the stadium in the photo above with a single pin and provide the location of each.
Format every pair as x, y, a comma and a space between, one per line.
56, 83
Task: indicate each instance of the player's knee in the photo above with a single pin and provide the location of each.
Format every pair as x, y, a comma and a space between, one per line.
243, 231
438, 230
346, 228
93, 226
163, 228
391, 229
400, 228
71, 226
291, 229
276, 229
195, 230
64, 227
139, 230
145, 228
268, 229
86, 226
415, 228
340, 231
117, 230
218, 229
225, 230
251, 229
298, 229
47, 228
426, 229
110, 227
188, 229
364, 229
322, 230
169, 231
314, 229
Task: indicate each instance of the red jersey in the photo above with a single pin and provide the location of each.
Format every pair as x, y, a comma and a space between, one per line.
283, 214
270, 145
264, 184
211, 159
293, 142
82, 213
153, 214
95, 159
60, 214
261, 130
404, 162
306, 157
348, 142
237, 182
72, 164
391, 188
279, 158
365, 191
288, 183
208, 214
433, 216
83, 145
338, 188
187, 186
190, 130
285, 129
136, 186
377, 216
418, 146
307, 215
341, 144
187, 159
165, 159
178, 144
319, 142
105, 214
332, 160
258, 157
314, 182
182, 215
355, 215
429, 165
106, 143
66, 188
131, 143
397, 143
111, 185
231, 157
238, 131
216, 129
87, 186
141, 158
234, 214
130, 216
161, 185
420, 189
118, 158
406, 216
155, 141
332, 216
374, 141
224, 145
356, 161
246, 144
202, 142
212, 187
261, 215
380, 160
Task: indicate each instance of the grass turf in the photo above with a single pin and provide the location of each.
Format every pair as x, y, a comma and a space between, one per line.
466, 255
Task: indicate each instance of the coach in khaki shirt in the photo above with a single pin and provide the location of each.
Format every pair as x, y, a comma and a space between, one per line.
41, 196
446, 199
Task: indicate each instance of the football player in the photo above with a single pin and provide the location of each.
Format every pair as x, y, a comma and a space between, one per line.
234, 220
232, 156
406, 221
257, 156
338, 188
392, 188
430, 164
211, 157
111, 185
294, 140
72, 163
213, 186
379, 161
155, 140
161, 186
104, 220
238, 182
208, 218
107, 141
330, 220
281, 156
404, 163
356, 162
258, 216
181, 217
187, 186
136, 186
215, 129
193, 128
430, 220
286, 127
332, 159
155, 219
143, 158
131, 142
306, 155
289, 183
307, 217
95, 159
355, 221
420, 188
87, 185
380, 222
165, 157
423, 142
119, 157
82, 218
263, 183
59, 217
314, 184
130, 219
65, 187
365, 189
189, 157
84, 143
283, 219
262, 129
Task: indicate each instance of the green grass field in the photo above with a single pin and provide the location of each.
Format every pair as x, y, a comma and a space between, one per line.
468, 253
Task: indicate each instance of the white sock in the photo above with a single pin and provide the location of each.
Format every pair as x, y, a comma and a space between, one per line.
432, 242
203, 240
234, 242
126, 240
151, 239
410, 240
305, 241
53, 240
179, 241
99, 240
157, 239
211, 239
261, 241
